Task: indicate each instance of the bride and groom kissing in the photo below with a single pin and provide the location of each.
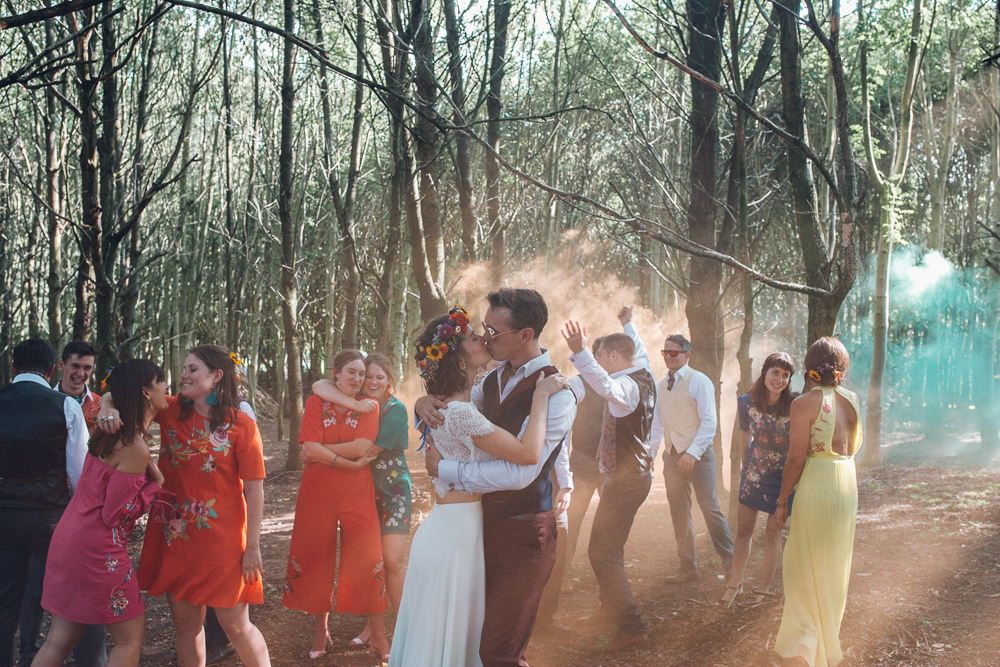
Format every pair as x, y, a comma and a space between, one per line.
480, 560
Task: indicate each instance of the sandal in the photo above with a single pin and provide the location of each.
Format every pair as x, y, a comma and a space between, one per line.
371, 645
316, 655
363, 638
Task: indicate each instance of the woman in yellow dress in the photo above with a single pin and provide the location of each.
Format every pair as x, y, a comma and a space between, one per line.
825, 435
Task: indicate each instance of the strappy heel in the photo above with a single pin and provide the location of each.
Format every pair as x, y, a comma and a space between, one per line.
371, 645
316, 655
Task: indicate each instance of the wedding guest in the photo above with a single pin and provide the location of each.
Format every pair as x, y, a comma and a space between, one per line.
624, 456
825, 435
764, 424
685, 421
77, 363
337, 489
389, 470
206, 552
88, 575
43, 443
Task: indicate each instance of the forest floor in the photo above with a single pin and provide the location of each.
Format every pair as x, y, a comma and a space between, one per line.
925, 583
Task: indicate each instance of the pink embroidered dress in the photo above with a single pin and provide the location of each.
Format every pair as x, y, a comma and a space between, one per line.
88, 575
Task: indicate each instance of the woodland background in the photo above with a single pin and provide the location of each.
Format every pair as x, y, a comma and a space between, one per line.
292, 178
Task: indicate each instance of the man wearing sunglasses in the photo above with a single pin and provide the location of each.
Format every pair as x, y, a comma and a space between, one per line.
519, 525
685, 422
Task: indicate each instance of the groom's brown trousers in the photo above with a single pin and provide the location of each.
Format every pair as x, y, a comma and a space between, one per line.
520, 553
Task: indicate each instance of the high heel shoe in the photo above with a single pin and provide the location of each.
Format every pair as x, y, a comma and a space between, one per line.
730, 600
363, 638
316, 655
371, 645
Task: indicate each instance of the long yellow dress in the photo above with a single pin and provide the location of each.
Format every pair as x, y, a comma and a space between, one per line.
817, 561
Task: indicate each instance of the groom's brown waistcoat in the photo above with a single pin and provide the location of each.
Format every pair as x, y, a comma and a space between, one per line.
510, 415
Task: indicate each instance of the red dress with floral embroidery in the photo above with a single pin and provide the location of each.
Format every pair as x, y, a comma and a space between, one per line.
196, 553
328, 496
88, 575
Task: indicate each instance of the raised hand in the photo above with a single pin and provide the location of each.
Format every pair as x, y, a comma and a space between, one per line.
575, 336
625, 315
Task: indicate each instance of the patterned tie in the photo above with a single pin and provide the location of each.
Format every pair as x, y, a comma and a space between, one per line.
506, 375
670, 382
607, 459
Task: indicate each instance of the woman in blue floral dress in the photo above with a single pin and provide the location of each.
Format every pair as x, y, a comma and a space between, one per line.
389, 470
764, 425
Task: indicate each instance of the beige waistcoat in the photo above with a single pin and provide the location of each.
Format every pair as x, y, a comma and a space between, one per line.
678, 413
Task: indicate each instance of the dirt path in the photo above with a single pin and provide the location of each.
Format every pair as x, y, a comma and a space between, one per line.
925, 584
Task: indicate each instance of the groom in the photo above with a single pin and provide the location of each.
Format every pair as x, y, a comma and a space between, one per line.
519, 537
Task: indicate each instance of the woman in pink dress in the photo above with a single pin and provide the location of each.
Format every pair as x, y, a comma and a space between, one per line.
88, 576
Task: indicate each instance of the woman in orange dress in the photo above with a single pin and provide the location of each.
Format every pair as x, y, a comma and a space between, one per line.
337, 488
206, 551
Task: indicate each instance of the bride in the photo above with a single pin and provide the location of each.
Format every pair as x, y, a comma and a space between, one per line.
441, 612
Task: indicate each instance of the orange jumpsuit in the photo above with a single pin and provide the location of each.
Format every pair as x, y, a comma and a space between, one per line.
328, 496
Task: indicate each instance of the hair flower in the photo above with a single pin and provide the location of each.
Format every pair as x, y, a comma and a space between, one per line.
447, 338
104, 382
813, 375
236, 359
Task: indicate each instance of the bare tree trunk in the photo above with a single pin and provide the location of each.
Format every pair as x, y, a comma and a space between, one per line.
426, 138
887, 186
344, 201
705, 19
289, 278
463, 169
494, 109
53, 167
130, 298
90, 208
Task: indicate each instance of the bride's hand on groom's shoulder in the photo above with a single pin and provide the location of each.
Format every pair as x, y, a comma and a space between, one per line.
428, 410
547, 386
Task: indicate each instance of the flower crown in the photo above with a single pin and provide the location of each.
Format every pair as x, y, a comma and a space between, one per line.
816, 374
446, 339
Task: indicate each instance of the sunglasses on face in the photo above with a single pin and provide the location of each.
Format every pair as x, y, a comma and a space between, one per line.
673, 354
493, 333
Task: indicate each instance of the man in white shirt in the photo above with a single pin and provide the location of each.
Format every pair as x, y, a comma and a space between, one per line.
685, 422
624, 455
519, 527
43, 444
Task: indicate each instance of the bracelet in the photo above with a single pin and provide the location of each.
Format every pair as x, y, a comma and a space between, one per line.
333, 463
784, 504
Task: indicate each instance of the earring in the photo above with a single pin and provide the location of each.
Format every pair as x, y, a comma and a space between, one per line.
213, 398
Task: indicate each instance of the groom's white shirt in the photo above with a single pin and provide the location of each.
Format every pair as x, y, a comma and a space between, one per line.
500, 475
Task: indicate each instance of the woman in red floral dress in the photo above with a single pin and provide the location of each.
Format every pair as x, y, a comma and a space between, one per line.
206, 552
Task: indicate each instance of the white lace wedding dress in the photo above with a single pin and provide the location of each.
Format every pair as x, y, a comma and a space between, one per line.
444, 596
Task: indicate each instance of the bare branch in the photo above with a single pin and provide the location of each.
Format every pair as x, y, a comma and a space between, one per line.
38, 15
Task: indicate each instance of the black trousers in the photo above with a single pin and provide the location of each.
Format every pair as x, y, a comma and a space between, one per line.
26, 534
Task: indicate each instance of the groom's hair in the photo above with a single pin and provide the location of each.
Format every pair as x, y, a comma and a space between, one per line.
527, 307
